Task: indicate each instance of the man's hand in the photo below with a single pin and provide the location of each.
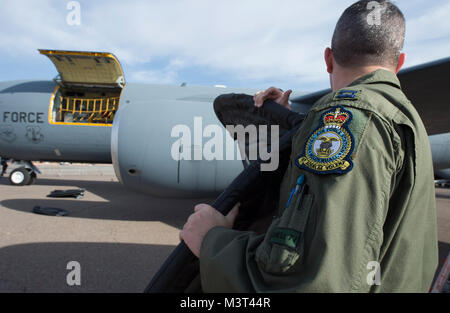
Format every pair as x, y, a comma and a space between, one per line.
275, 94
201, 221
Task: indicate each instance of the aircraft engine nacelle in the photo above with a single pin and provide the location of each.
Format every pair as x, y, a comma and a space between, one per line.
440, 148
144, 141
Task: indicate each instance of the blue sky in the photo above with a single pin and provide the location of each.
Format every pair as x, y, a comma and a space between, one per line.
245, 43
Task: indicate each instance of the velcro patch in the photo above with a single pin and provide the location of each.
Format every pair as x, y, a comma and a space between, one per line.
346, 94
286, 236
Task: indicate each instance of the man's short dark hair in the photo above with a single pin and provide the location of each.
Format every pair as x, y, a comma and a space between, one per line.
364, 37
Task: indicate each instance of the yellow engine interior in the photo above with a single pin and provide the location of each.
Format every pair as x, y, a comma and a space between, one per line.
86, 106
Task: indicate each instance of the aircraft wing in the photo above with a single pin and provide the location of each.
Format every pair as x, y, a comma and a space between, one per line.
426, 86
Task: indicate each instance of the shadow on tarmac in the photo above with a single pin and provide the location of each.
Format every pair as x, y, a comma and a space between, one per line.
104, 267
120, 204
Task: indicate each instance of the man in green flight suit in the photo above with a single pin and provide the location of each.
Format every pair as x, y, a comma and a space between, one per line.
357, 208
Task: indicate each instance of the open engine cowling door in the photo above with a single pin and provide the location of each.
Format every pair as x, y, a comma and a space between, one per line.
256, 190
89, 86
86, 68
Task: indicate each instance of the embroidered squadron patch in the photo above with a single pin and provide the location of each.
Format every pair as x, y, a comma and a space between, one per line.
329, 148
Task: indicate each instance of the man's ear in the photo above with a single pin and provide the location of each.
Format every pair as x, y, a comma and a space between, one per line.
401, 61
329, 60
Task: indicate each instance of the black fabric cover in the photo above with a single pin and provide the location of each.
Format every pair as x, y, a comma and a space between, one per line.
257, 191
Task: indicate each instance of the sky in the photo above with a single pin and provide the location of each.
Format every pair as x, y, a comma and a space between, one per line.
237, 43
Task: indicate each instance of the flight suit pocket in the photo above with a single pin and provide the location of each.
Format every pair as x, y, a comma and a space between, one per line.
284, 244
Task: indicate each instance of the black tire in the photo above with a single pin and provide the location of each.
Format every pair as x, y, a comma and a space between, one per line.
20, 177
32, 178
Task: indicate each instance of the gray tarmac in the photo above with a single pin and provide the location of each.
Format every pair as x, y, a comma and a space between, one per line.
119, 237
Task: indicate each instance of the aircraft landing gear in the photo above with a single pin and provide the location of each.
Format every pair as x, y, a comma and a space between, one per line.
442, 183
24, 175
20, 177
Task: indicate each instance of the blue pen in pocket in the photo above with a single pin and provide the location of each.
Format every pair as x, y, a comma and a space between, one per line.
300, 186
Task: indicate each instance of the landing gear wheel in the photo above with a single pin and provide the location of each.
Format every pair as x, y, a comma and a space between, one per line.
20, 177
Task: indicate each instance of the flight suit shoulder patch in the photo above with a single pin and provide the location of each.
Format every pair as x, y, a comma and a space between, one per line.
329, 148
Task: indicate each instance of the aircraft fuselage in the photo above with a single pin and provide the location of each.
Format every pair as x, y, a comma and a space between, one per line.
27, 133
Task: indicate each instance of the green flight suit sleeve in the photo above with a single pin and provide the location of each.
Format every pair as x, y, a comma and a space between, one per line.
327, 240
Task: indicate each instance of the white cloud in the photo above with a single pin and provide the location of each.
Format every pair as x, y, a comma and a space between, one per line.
154, 77
253, 40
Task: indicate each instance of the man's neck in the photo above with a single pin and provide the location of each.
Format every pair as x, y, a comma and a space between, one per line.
345, 76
